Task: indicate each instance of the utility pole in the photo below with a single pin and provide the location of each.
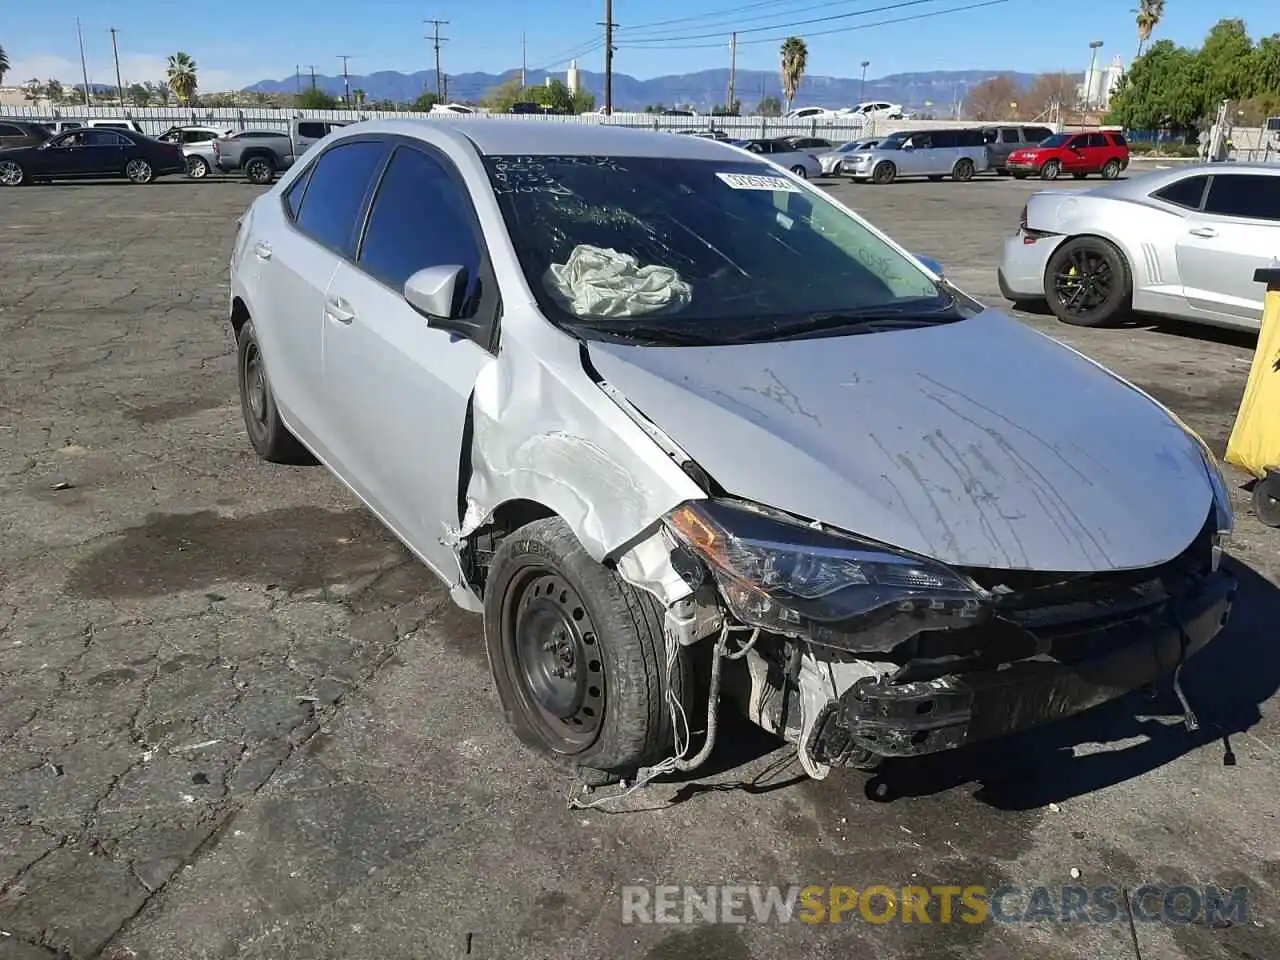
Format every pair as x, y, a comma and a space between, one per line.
312, 68
444, 88
346, 81
733, 67
862, 86
84, 70
297, 78
436, 40
524, 62
115, 52
609, 27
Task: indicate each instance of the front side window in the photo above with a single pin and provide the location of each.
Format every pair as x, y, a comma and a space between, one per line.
1184, 193
1057, 140
313, 131
716, 249
420, 218
1251, 196
339, 182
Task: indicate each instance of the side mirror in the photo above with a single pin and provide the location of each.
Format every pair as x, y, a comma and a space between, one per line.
433, 292
930, 264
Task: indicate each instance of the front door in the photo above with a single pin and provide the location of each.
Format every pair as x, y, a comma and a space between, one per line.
916, 156
1075, 154
1221, 247
397, 388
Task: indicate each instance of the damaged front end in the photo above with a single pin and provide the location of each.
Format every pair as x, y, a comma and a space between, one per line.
862, 652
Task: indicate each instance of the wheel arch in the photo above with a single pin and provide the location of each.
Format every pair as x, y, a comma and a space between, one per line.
240, 315
1095, 234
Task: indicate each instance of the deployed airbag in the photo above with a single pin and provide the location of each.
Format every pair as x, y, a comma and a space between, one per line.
599, 282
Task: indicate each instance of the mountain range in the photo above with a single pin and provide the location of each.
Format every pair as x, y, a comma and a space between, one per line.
703, 90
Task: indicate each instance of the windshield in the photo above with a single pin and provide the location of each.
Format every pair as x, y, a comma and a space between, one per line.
719, 250
1057, 140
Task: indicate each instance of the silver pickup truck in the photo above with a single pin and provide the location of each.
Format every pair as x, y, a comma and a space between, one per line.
261, 154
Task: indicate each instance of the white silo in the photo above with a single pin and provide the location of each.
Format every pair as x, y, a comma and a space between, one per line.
571, 79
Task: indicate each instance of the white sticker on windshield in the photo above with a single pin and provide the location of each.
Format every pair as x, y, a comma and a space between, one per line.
747, 181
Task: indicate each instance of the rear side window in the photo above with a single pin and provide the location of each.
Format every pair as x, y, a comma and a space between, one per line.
1119, 140
939, 139
340, 181
1036, 134
1248, 195
1098, 140
312, 130
419, 218
1009, 135
8, 131
1184, 193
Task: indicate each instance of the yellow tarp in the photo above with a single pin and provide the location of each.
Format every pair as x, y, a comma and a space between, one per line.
1255, 439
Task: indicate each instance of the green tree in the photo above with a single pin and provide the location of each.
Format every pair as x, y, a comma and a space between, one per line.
655, 108
500, 99
1227, 62
769, 107
313, 98
583, 101
1164, 87
795, 57
424, 103
358, 97
140, 95
183, 80
4, 64
1148, 17
555, 96
54, 91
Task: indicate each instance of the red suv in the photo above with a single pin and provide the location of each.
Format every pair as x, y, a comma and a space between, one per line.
1078, 154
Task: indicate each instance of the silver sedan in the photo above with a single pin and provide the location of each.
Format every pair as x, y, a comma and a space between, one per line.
1181, 243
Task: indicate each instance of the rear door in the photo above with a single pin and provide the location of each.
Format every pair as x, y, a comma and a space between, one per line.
11, 136
1221, 247
297, 249
398, 389
103, 152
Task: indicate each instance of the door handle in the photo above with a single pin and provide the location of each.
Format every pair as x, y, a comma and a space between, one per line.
262, 250
335, 308
1203, 232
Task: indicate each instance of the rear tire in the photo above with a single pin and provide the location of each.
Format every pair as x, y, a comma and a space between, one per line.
139, 171
197, 168
12, 174
885, 172
268, 435
578, 655
1111, 170
259, 170
1266, 499
1088, 283
799, 171
1050, 170
963, 170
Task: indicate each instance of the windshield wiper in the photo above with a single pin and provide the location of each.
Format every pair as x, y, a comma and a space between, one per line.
653, 334
867, 320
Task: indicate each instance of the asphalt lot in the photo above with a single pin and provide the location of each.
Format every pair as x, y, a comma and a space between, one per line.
236, 720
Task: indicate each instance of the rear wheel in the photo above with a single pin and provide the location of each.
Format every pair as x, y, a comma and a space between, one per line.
1050, 170
270, 438
1111, 170
139, 171
1088, 283
577, 654
259, 170
963, 170
885, 172
197, 168
12, 174
1266, 499
799, 171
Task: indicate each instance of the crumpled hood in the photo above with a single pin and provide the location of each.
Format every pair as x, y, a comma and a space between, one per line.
979, 443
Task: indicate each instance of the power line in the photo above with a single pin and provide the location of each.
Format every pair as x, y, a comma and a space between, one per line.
575, 53
712, 14
824, 33
792, 24
735, 22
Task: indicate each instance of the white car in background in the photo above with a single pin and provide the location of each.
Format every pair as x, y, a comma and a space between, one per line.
876, 110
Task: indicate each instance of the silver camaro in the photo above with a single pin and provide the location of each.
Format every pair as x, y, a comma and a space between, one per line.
672, 419
1182, 243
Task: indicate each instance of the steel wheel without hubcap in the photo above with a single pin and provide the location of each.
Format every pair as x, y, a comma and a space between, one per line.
255, 393
554, 646
11, 175
139, 171
197, 168
1050, 170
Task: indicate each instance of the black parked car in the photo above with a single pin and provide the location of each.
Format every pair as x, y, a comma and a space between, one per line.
91, 153
22, 133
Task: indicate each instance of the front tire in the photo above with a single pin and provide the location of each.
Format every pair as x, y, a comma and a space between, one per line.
197, 168
799, 171
139, 171
1050, 170
268, 435
12, 174
577, 654
885, 172
963, 170
1088, 283
259, 170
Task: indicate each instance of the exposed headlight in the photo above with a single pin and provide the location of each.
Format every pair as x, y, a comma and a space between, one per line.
789, 578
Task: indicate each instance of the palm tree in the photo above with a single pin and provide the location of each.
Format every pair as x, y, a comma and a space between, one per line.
1148, 17
182, 77
4, 64
795, 57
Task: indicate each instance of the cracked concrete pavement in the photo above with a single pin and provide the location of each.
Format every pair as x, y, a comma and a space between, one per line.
237, 720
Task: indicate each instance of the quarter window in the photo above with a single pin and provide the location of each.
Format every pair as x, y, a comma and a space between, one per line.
1244, 195
1009, 135
312, 131
340, 181
1184, 193
419, 218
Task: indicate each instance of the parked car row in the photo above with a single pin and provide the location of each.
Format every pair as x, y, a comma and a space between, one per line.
91, 151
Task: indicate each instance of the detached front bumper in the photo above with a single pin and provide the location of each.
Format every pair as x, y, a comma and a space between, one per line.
910, 719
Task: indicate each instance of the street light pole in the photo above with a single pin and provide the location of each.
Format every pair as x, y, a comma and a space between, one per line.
862, 87
116, 54
1089, 80
84, 70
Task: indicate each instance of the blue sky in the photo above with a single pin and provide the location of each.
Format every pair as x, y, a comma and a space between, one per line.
235, 44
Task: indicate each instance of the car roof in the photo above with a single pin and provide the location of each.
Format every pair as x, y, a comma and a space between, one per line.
504, 137
1140, 185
